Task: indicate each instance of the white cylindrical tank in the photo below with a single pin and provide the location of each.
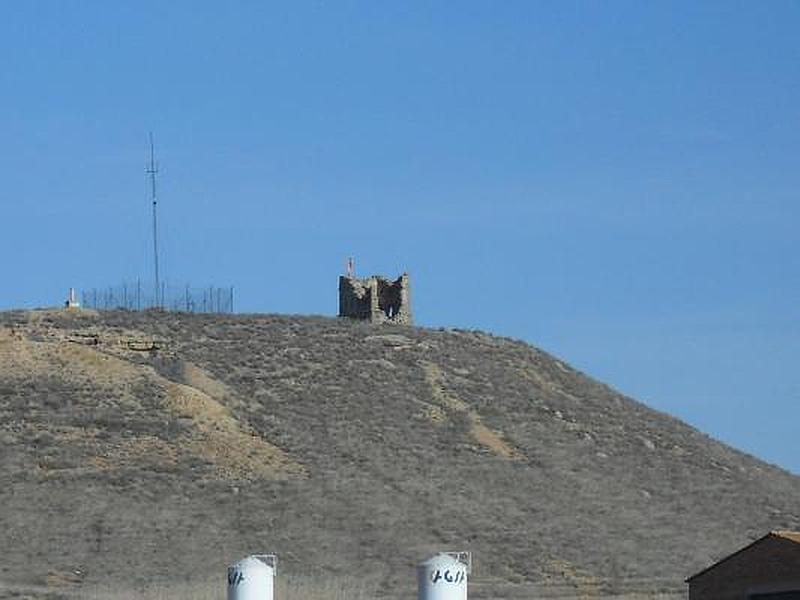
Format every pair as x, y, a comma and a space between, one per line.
442, 577
252, 578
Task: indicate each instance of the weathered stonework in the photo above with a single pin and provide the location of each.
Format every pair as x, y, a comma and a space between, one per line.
376, 299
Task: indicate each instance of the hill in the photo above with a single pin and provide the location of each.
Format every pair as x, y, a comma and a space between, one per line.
140, 450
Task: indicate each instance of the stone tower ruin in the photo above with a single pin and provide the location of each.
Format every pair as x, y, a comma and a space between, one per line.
376, 299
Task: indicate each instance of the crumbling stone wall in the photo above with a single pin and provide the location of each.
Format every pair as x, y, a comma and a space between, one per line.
376, 299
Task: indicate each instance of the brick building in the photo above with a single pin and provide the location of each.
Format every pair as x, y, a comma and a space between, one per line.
767, 569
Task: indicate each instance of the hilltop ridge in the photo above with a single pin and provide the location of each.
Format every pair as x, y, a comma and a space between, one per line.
147, 447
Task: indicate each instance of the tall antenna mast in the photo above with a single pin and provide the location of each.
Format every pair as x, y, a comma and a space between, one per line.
152, 169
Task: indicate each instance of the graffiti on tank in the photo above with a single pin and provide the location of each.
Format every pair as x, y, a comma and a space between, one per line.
448, 576
235, 577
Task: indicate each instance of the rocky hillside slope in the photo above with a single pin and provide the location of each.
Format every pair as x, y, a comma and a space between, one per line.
146, 448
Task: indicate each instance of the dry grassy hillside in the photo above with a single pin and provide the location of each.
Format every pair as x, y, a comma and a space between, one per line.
146, 450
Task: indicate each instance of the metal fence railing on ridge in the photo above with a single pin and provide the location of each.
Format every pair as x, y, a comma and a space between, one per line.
140, 296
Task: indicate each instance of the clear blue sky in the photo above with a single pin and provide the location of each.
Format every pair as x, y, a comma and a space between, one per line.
615, 182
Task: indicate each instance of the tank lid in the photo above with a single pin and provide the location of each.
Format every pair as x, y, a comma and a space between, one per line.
449, 559
257, 561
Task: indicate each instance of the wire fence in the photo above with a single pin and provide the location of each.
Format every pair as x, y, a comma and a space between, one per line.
139, 295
